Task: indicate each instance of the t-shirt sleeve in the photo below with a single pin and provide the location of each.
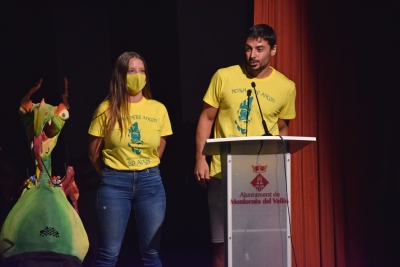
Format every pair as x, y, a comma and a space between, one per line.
213, 94
289, 111
165, 124
98, 123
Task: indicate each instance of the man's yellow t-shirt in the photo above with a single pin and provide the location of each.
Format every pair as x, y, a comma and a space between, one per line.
136, 148
228, 92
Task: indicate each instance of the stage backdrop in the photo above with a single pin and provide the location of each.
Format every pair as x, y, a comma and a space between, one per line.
183, 42
342, 58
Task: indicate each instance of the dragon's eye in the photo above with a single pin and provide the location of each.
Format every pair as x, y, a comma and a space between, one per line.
63, 114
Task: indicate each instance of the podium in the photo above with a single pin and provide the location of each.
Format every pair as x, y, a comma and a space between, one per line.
256, 195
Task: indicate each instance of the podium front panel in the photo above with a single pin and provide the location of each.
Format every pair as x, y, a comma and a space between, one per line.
258, 210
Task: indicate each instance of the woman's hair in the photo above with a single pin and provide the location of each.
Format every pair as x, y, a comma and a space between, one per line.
118, 95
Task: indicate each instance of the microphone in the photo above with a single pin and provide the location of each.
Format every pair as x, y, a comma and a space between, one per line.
264, 124
248, 107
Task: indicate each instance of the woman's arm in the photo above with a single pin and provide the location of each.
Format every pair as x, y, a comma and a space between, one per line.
163, 142
96, 145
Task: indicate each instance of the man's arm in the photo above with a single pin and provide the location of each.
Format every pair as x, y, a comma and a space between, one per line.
96, 145
206, 120
283, 126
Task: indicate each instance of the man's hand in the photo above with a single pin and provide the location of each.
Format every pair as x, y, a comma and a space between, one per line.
206, 120
202, 172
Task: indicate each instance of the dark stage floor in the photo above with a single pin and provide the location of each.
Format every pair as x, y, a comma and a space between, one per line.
170, 257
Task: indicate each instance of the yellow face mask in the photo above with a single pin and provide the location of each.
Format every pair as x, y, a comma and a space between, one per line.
135, 83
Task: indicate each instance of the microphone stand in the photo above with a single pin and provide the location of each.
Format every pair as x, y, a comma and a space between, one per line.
248, 108
264, 124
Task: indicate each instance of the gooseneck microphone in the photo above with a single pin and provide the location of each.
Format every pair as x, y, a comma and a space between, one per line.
248, 108
264, 124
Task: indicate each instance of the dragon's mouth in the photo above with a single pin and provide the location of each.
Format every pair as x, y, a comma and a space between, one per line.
50, 129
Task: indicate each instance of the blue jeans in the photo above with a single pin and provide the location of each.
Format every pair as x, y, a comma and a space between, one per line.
118, 192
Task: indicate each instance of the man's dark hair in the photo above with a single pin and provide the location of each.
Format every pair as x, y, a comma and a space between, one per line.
262, 31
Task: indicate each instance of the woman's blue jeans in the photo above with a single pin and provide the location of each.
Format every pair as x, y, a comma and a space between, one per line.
118, 192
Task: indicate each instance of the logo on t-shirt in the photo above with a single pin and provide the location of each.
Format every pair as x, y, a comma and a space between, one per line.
134, 135
243, 115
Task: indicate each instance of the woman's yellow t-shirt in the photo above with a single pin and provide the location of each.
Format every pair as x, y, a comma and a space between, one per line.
136, 149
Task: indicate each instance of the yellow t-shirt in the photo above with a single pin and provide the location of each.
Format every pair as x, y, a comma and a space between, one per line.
137, 148
228, 92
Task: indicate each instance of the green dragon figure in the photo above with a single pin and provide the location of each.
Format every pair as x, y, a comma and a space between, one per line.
43, 220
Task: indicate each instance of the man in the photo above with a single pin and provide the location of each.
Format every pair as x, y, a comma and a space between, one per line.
229, 101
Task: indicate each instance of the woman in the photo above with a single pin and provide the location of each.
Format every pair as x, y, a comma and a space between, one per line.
127, 139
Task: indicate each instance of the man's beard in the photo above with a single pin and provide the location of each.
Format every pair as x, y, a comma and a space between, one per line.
258, 67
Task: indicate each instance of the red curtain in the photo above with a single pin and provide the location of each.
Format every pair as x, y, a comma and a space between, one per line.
317, 215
